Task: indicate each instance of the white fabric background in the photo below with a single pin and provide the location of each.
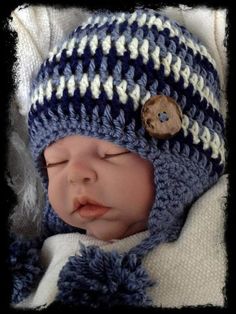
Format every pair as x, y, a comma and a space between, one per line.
191, 271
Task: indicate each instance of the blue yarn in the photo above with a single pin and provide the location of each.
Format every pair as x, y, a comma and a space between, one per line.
111, 27
123, 27
102, 279
24, 264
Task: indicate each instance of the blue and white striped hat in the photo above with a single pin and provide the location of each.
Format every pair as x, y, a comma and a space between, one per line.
97, 84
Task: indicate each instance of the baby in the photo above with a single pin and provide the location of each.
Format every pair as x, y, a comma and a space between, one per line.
125, 131
88, 176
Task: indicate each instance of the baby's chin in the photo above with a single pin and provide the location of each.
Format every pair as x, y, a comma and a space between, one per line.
107, 231
113, 230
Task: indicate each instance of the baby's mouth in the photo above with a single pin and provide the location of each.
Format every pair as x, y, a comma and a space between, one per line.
89, 209
92, 211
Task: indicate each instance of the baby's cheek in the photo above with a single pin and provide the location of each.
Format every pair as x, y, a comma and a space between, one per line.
55, 196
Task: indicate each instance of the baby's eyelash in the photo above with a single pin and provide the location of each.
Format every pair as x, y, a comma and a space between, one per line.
49, 165
114, 155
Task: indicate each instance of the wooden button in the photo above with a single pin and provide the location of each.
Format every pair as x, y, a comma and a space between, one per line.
161, 117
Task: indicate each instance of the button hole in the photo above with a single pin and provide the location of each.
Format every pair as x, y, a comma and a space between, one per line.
163, 116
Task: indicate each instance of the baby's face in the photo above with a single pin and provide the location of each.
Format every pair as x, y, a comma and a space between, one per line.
99, 186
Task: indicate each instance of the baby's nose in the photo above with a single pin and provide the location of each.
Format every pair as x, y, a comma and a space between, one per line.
80, 173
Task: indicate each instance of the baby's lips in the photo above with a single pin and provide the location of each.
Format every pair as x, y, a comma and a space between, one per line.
92, 211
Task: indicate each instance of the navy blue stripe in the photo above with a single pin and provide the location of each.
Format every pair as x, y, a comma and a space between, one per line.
98, 59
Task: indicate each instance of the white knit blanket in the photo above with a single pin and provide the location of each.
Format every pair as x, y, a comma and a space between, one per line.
191, 270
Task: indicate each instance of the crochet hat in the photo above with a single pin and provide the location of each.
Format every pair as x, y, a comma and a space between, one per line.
142, 81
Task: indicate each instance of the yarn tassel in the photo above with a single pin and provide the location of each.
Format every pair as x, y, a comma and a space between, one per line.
24, 264
97, 278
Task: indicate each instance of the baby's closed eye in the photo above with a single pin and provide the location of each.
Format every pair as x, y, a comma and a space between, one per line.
54, 164
107, 156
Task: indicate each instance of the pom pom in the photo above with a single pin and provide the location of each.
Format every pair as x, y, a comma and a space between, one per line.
97, 278
25, 268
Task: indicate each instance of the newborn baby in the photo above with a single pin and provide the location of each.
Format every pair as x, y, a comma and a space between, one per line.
126, 133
